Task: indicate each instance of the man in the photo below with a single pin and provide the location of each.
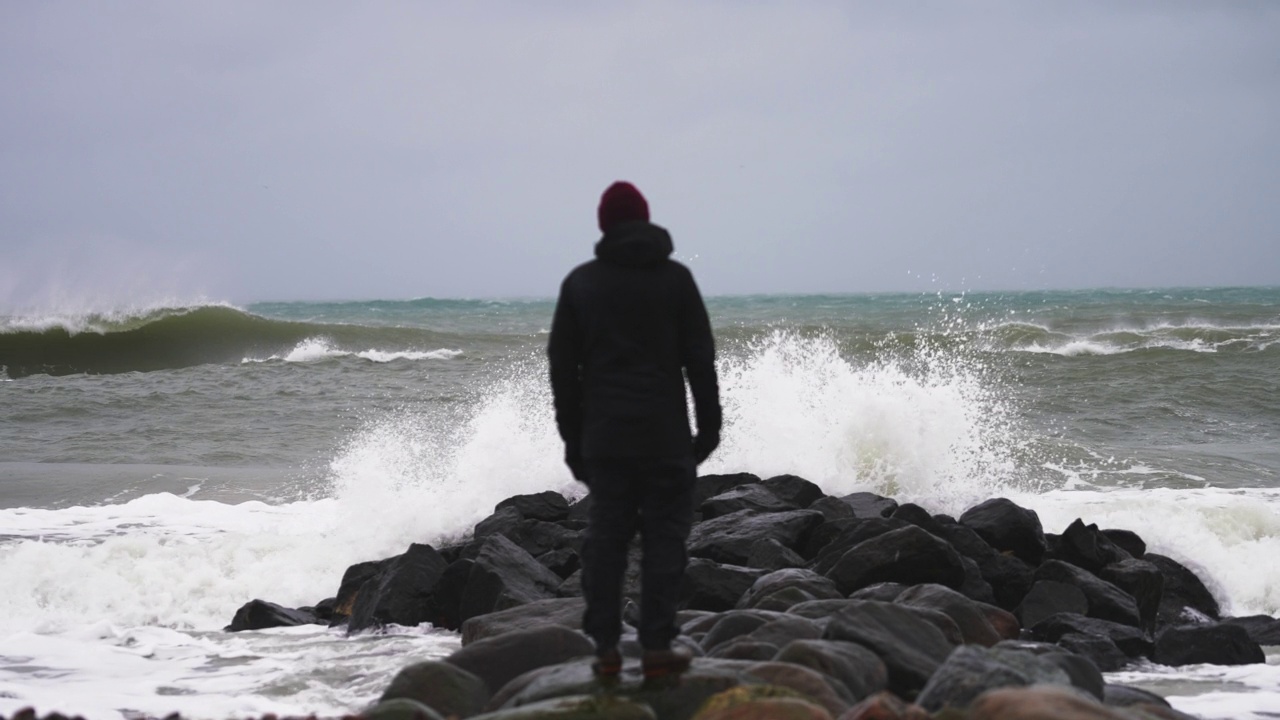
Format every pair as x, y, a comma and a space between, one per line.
629, 328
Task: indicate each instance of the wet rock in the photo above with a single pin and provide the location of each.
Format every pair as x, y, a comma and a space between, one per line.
565, 612
910, 647
1262, 629
970, 620
504, 576
563, 562
441, 686
729, 539
352, 580
1125, 696
1131, 640
908, 555
260, 614
1100, 650
1002, 621
576, 707
744, 648
769, 554
852, 533
814, 685
1128, 541
1087, 547
708, 486
709, 585
401, 709
1082, 672
916, 515
733, 624
1040, 703
1143, 582
1185, 597
1008, 528
885, 706
1050, 597
1218, 644
884, 592
785, 628
549, 506
1008, 577
832, 508
1106, 601
498, 659
398, 592
815, 585
970, 671
744, 497
974, 586
869, 505
444, 606
795, 490
858, 670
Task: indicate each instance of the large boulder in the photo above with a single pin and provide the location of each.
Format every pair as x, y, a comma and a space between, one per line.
814, 585
565, 612
1050, 597
503, 576
908, 555
743, 497
869, 505
1106, 601
968, 617
709, 585
1008, 577
576, 707
708, 486
1088, 547
735, 623
823, 689
1143, 582
795, 490
848, 534
549, 505
1008, 528
1100, 650
1262, 629
910, 647
859, 671
769, 554
1084, 674
1044, 702
441, 686
1131, 640
1185, 599
398, 592
1217, 644
499, 659
729, 539
970, 671
260, 614
444, 606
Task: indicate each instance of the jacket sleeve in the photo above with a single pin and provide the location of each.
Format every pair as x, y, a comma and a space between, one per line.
698, 352
564, 352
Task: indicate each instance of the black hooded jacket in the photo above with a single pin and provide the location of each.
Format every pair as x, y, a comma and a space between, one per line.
629, 327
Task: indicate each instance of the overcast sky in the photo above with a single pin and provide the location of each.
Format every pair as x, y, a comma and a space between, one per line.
254, 150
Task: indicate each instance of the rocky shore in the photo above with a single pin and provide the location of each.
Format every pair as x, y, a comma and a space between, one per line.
797, 605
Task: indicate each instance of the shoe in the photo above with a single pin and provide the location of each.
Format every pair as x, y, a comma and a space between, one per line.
608, 664
661, 663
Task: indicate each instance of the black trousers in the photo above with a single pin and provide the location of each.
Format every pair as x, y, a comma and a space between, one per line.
654, 497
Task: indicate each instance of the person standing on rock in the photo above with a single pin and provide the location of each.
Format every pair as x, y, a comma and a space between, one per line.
629, 328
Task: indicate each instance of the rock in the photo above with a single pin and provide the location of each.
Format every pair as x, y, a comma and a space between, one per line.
782, 600
549, 506
781, 708
794, 490
709, 585
444, 606
1143, 582
970, 671
869, 505
563, 562
824, 690
1100, 650
974, 586
1128, 541
883, 591
1002, 621
744, 648
1131, 641
708, 486
498, 659
911, 648
743, 497
1183, 592
785, 628
1087, 547
1262, 629
579, 511
769, 554
576, 707
504, 576
1050, 597
352, 580
832, 508
816, 585
851, 533
908, 555
535, 536
441, 686
1007, 527
401, 709
858, 670
916, 515
1082, 672
970, 620
565, 612
1040, 703
1106, 601
1009, 577
398, 592
728, 539
260, 614
940, 620
732, 624
1125, 696
1217, 644
885, 706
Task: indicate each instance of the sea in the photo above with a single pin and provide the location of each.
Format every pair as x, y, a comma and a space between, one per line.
161, 465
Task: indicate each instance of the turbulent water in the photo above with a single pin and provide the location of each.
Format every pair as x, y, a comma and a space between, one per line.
161, 466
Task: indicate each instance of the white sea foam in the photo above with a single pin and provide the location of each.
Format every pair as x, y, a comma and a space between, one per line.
1213, 692
84, 318
318, 349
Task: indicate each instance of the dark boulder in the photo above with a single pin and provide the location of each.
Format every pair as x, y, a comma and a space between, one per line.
970, 671
1050, 597
709, 585
869, 505
549, 506
744, 497
884, 592
708, 486
565, 612
916, 515
971, 621
974, 586
795, 490
1088, 547
859, 671
1084, 674
563, 562
441, 686
1008, 528
1099, 649
1125, 696
1262, 629
908, 555
823, 689
832, 508
499, 659
729, 539
744, 648
260, 614
1106, 601
734, 624
910, 647
850, 533
504, 576
817, 586
399, 591
444, 605
1217, 644
1143, 582
769, 554
1008, 577
1128, 541
1131, 641
1185, 598
786, 628
352, 580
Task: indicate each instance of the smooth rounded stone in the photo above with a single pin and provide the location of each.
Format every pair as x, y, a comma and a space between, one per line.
401, 709
715, 586
970, 671
970, 620
1041, 703
910, 647
811, 582
1106, 601
708, 486
1085, 546
1131, 640
974, 586
1142, 581
260, 614
885, 706
832, 508
441, 686
1101, 651
576, 707
852, 533
1216, 644
779, 708
744, 648
1002, 621
1124, 696
882, 591
565, 612
398, 592
826, 691
630, 647
733, 624
548, 505
857, 669
563, 562
769, 554
786, 628
916, 515
782, 600
1008, 528
821, 609
504, 576
794, 489
743, 497
1129, 541
1082, 671
869, 505
1050, 597
497, 660
908, 555
940, 620
728, 539
1262, 629
1184, 598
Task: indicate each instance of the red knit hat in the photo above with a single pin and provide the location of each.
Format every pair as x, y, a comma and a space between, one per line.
620, 203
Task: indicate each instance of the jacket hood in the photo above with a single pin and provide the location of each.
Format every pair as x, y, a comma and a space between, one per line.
635, 244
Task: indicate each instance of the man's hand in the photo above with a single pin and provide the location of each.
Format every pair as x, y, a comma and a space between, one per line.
705, 444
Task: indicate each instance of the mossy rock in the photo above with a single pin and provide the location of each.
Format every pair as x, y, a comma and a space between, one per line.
761, 702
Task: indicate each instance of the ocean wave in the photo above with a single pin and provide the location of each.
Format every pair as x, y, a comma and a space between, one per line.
318, 349
1185, 337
